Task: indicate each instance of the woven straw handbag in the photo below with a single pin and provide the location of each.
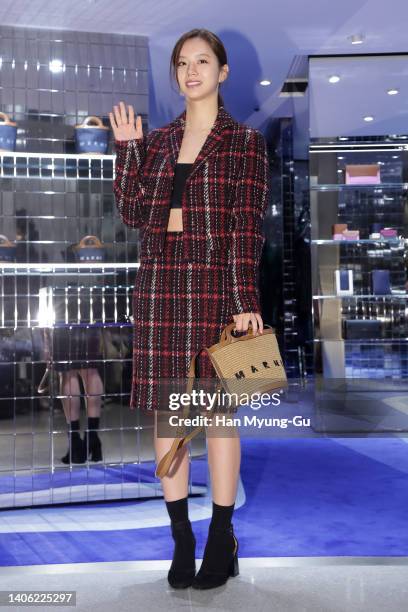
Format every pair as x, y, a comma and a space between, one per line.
245, 365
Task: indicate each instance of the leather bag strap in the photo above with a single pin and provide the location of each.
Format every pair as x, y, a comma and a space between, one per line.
180, 439
44, 384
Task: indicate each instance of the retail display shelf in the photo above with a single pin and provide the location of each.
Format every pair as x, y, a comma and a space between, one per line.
77, 156
357, 187
388, 296
353, 146
358, 341
392, 241
50, 267
67, 166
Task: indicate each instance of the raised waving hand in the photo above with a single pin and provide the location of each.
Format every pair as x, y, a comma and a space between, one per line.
124, 127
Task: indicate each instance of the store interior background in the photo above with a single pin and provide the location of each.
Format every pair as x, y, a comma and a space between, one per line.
102, 68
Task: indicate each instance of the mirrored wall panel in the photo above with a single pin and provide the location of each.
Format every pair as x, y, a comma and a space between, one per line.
68, 266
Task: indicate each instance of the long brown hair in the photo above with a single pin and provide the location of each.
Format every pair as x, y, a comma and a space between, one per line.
215, 44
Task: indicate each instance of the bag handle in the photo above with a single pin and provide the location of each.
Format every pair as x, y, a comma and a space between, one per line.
89, 241
4, 241
97, 121
227, 336
44, 384
6, 119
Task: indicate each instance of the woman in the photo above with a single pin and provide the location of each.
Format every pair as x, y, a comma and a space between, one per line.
198, 272
76, 352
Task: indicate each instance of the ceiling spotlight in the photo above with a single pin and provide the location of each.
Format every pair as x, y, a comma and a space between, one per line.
369, 118
265, 82
356, 39
334, 79
392, 92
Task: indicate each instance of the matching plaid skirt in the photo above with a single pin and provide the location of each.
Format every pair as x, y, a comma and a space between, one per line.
178, 308
78, 347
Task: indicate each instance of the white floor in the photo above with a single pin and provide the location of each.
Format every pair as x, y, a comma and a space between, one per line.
347, 584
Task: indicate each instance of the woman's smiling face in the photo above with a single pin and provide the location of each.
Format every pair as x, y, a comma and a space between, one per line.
198, 70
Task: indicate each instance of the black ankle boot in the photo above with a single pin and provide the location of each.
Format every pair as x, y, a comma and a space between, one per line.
220, 560
183, 567
92, 442
76, 450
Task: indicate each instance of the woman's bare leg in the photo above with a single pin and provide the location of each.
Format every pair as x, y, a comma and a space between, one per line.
175, 483
93, 387
69, 386
224, 460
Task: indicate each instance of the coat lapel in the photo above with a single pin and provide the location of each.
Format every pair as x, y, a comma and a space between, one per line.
213, 141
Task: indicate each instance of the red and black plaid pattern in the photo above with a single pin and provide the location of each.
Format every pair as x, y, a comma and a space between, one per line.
223, 204
178, 308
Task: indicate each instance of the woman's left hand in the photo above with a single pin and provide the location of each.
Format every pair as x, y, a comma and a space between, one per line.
242, 320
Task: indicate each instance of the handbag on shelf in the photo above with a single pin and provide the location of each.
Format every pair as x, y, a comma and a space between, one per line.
7, 249
388, 232
368, 174
344, 282
244, 365
8, 133
89, 248
380, 281
350, 234
91, 136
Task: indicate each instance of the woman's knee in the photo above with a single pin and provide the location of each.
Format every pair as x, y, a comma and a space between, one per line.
68, 382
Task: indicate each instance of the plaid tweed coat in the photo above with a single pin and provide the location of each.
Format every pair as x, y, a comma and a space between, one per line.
223, 205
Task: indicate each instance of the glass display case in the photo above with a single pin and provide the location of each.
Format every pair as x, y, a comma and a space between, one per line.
359, 231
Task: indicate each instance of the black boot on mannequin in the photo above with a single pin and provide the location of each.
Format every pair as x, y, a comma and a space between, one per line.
220, 560
76, 450
183, 568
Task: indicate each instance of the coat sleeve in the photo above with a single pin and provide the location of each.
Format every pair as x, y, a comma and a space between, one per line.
128, 185
251, 201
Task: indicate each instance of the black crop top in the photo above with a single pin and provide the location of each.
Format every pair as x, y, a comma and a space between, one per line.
180, 175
